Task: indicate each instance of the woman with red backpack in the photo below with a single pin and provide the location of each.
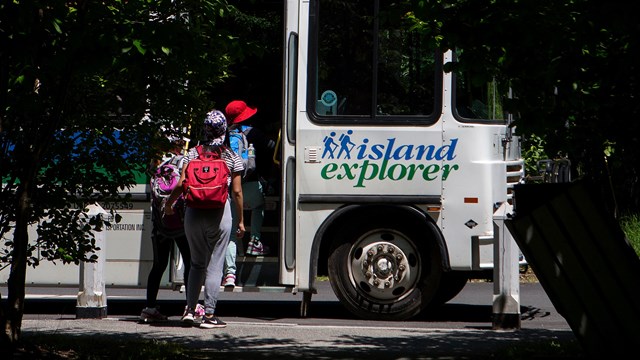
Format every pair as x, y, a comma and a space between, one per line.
208, 228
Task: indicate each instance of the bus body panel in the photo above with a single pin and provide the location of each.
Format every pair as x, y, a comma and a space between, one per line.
128, 251
468, 198
315, 215
293, 68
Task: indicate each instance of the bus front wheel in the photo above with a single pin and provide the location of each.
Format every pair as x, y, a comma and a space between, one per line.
384, 268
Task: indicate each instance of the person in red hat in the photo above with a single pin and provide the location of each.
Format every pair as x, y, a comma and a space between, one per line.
239, 117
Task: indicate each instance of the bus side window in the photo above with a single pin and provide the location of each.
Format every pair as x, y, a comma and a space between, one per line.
369, 58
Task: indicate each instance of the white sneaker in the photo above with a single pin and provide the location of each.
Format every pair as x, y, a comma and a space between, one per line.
229, 280
188, 318
198, 313
257, 248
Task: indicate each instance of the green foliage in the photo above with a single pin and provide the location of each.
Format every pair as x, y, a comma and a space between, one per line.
88, 93
532, 152
74, 72
631, 227
573, 66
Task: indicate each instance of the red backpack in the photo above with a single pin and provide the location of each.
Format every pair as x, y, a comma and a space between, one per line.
206, 181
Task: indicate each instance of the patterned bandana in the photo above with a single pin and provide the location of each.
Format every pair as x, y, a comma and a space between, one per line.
215, 127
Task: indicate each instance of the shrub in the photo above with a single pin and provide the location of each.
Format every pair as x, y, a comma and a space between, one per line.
631, 226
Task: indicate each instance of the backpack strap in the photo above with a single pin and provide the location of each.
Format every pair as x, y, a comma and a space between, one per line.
245, 134
242, 145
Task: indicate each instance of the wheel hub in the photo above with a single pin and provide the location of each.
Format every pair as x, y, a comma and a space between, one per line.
383, 270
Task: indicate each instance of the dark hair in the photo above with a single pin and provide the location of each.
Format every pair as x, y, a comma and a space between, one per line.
218, 149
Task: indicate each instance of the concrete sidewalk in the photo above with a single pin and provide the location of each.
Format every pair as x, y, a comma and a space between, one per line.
243, 339
261, 325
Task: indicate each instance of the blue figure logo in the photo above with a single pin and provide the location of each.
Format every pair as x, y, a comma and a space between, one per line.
346, 145
329, 146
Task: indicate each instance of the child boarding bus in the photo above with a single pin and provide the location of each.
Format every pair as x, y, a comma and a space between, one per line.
391, 170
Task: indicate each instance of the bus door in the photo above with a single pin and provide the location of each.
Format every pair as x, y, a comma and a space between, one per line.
292, 70
363, 97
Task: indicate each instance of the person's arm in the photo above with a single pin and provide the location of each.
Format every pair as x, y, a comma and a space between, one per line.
236, 192
153, 165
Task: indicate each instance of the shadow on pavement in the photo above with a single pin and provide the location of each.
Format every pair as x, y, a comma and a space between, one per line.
236, 343
275, 309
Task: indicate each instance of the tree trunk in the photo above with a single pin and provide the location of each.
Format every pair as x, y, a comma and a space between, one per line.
11, 320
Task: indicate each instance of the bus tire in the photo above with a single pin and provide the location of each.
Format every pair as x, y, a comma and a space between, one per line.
451, 285
384, 267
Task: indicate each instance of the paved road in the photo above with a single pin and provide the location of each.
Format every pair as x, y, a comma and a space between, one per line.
261, 324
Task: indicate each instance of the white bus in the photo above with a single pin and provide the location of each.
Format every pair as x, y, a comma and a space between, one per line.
391, 170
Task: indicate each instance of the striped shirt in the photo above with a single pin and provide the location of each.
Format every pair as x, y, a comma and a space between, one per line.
233, 160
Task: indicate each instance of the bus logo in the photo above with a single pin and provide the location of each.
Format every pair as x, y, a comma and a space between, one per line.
385, 161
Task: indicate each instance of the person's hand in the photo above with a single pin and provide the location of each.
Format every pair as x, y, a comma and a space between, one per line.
240, 231
168, 209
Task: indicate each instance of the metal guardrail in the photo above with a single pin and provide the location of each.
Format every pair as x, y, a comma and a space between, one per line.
552, 171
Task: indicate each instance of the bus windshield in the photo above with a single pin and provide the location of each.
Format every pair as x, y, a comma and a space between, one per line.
478, 99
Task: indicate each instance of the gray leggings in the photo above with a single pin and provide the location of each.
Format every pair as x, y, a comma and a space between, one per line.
207, 232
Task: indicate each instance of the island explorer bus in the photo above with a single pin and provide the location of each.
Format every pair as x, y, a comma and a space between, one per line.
392, 170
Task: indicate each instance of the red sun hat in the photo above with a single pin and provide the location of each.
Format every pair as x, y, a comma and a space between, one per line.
238, 111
